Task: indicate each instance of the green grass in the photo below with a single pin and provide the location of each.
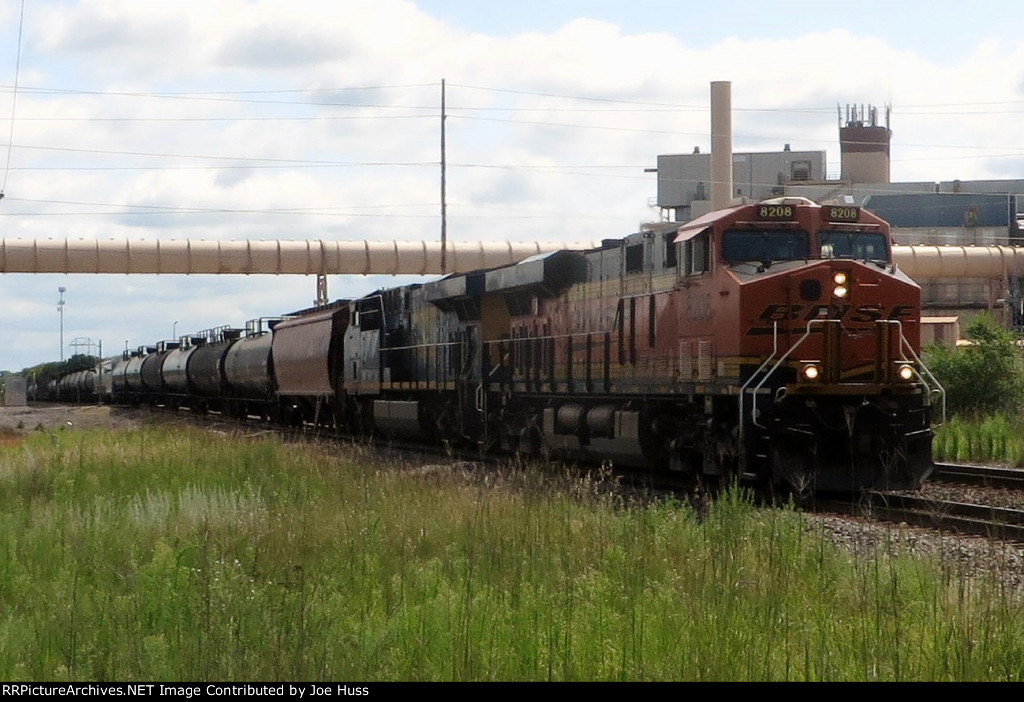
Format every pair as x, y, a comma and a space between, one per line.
154, 555
994, 438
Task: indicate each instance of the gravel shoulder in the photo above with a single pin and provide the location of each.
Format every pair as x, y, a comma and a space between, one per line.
46, 417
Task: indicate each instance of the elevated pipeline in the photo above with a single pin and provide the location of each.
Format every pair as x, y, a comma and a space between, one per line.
322, 257
276, 257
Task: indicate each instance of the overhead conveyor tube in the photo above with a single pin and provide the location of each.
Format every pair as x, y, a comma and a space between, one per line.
322, 257
959, 261
277, 257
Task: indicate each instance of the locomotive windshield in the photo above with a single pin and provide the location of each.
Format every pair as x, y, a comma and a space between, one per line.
861, 246
764, 246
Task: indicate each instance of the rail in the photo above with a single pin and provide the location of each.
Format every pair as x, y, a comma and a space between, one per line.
986, 475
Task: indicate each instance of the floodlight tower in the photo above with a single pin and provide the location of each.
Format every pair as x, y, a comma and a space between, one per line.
60, 310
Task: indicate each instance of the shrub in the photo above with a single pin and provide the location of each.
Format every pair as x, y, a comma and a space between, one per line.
983, 377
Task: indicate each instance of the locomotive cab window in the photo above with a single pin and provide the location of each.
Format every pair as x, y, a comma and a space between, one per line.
860, 246
635, 258
368, 314
764, 246
671, 260
696, 252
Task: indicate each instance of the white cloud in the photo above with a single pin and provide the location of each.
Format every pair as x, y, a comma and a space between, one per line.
338, 134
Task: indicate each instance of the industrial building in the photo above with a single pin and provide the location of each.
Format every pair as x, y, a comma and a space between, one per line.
951, 213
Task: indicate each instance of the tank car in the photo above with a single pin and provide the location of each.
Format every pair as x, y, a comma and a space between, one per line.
248, 373
78, 386
204, 373
154, 389
174, 372
126, 378
119, 378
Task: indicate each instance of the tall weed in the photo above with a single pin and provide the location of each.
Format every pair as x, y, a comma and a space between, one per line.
177, 556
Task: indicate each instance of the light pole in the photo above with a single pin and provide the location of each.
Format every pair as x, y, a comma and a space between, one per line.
174, 330
60, 309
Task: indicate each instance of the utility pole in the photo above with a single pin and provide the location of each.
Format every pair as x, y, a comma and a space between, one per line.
444, 204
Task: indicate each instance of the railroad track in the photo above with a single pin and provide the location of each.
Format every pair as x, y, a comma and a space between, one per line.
958, 517
989, 476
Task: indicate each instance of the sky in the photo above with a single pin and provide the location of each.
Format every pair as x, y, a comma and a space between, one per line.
308, 119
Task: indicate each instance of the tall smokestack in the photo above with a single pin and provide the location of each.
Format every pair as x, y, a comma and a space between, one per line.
721, 144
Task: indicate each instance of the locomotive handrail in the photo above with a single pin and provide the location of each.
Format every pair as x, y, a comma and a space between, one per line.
431, 345
941, 391
743, 388
782, 359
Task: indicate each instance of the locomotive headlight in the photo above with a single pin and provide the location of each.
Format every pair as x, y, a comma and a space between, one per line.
841, 289
811, 371
905, 372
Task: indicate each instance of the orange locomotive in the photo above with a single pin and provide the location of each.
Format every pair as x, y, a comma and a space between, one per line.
774, 342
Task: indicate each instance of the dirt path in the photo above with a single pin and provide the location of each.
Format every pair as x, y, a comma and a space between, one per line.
45, 417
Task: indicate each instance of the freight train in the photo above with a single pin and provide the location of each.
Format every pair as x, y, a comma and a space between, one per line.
773, 342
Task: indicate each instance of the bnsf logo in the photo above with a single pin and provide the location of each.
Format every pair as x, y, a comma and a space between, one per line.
859, 315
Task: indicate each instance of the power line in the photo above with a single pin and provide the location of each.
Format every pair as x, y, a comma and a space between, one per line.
386, 211
564, 169
14, 100
150, 210
232, 96
569, 126
465, 112
210, 93
635, 105
322, 118
244, 159
468, 114
706, 108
